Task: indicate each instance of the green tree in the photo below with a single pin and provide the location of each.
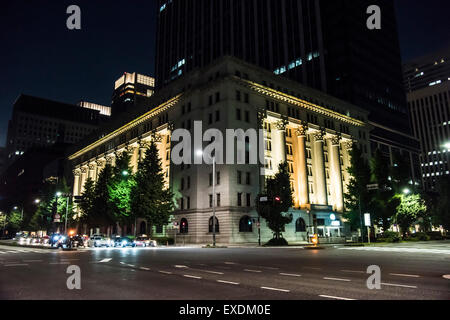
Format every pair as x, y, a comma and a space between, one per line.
86, 205
438, 203
119, 190
150, 199
384, 201
357, 194
279, 192
102, 214
411, 207
14, 221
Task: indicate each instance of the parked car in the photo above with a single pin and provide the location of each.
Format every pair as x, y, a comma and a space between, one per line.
124, 242
144, 241
77, 241
98, 240
60, 241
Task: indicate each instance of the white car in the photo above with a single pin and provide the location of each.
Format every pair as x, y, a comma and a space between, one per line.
144, 241
99, 241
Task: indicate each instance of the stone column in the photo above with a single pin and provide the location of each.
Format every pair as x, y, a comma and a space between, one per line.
100, 165
84, 172
76, 182
319, 165
92, 167
336, 173
133, 158
302, 165
143, 145
281, 126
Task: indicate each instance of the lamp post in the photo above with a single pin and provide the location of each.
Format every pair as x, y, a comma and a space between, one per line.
200, 153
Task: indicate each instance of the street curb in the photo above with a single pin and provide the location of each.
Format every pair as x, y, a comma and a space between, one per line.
26, 246
314, 248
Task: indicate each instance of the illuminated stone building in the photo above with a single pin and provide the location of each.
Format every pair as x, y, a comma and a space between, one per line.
312, 131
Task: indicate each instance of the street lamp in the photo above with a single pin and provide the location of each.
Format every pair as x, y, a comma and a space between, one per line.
37, 201
200, 153
125, 173
447, 145
406, 191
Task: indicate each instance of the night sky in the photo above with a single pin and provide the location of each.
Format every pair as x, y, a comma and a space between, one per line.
41, 57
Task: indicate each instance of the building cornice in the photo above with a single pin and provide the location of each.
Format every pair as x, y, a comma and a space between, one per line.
283, 97
136, 122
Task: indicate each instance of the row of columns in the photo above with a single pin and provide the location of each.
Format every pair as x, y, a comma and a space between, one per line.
334, 151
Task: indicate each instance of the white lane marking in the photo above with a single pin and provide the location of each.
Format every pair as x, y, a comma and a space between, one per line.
106, 260
290, 275
192, 277
12, 251
398, 285
230, 263
275, 289
2, 252
228, 282
32, 260
181, 267
254, 271
337, 298
144, 268
337, 279
61, 263
404, 275
16, 265
446, 276
165, 272
122, 262
352, 271
131, 265
212, 272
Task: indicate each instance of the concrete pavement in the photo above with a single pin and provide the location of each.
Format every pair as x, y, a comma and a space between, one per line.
232, 273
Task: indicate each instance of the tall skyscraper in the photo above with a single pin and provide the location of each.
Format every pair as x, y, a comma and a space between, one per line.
323, 44
427, 81
131, 91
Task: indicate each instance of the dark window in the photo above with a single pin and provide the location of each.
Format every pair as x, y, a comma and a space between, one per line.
238, 95
159, 229
184, 227
249, 203
211, 225
238, 114
247, 116
239, 177
245, 224
248, 180
217, 115
239, 197
300, 225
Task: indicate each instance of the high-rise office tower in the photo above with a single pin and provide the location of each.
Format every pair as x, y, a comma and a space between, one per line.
427, 81
324, 44
131, 91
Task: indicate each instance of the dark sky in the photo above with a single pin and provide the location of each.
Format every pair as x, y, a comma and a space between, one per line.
40, 56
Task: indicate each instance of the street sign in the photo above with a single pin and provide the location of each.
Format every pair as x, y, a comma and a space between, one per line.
373, 187
263, 199
367, 221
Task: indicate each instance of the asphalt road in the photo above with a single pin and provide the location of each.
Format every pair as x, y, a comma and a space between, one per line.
336, 273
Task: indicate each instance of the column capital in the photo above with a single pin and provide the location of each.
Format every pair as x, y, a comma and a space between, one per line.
77, 172
143, 144
156, 137
282, 124
302, 130
100, 162
84, 170
319, 136
92, 166
336, 140
349, 144
110, 159
171, 126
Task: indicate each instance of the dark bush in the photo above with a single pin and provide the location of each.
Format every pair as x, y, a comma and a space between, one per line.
435, 235
164, 241
420, 236
277, 242
389, 236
